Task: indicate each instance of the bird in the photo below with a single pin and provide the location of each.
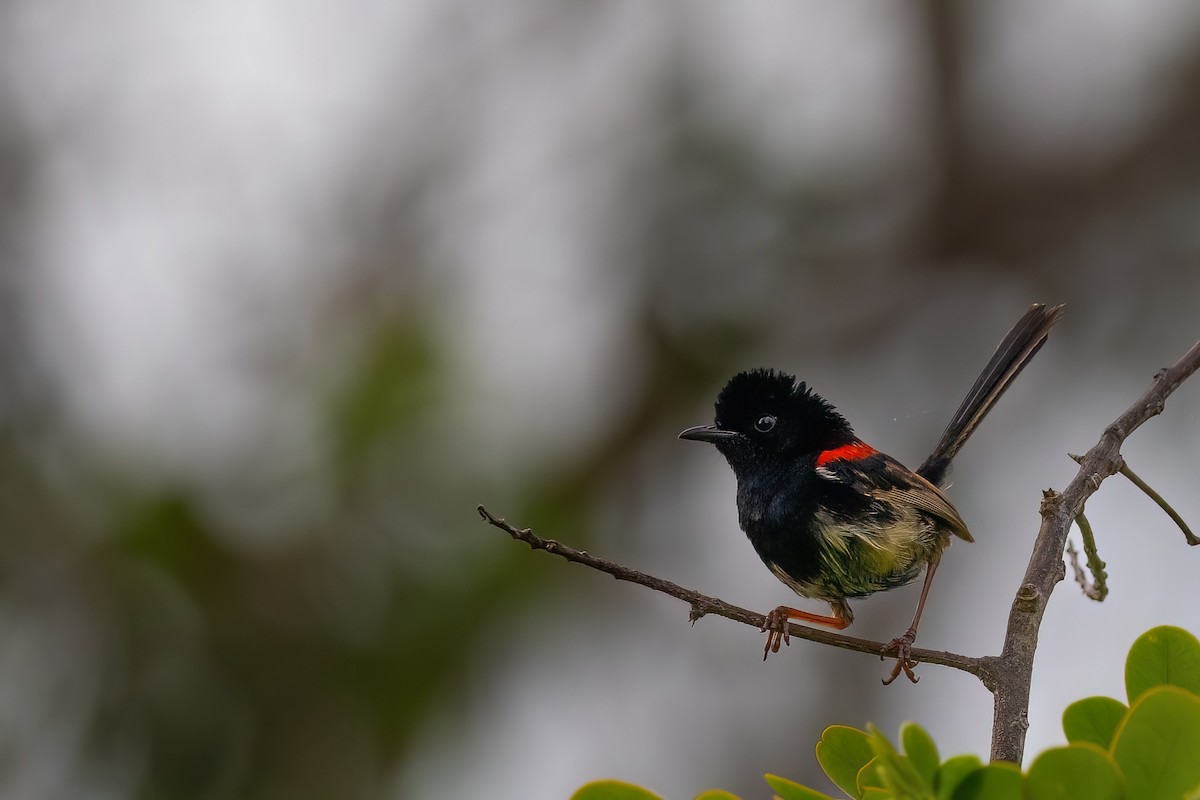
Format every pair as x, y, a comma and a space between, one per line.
832, 517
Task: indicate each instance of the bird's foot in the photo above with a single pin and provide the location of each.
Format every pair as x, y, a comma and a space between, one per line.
902, 647
776, 628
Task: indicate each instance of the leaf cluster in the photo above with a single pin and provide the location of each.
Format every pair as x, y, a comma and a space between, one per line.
1147, 748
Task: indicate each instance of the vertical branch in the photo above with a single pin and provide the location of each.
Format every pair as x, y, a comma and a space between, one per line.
1014, 673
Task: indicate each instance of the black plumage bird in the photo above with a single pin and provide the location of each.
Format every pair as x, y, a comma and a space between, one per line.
832, 517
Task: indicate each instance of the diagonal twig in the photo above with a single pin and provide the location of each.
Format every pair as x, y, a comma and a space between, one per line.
1155, 496
702, 604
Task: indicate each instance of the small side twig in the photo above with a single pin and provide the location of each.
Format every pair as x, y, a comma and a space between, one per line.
1096, 588
1188, 536
702, 604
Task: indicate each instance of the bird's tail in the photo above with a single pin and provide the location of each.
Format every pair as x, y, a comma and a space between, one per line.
1018, 347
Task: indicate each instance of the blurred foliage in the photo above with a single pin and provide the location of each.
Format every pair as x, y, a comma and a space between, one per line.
233, 669
387, 392
230, 669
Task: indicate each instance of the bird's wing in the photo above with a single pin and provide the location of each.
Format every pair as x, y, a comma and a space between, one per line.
883, 478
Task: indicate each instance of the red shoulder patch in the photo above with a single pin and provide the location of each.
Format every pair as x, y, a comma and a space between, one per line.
847, 452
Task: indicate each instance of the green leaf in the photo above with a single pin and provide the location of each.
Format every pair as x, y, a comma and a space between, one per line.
1081, 770
902, 778
1093, 720
613, 790
869, 779
880, 745
790, 790
716, 794
891, 777
842, 753
921, 751
1158, 745
1163, 656
894, 770
997, 781
951, 774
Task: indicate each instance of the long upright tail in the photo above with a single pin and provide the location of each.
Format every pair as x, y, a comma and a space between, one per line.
1014, 352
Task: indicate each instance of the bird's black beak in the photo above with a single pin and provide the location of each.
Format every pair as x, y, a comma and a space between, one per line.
708, 433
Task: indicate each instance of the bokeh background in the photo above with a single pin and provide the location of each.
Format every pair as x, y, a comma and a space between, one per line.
286, 289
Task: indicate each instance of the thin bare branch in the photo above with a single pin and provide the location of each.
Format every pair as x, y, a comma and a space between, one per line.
1188, 536
702, 604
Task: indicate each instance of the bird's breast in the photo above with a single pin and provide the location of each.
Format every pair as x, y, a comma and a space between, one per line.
834, 553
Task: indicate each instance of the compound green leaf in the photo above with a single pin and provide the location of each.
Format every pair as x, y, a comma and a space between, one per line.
1081, 770
790, 790
1157, 747
1163, 656
716, 794
843, 752
997, 781
1093, 720
613, 790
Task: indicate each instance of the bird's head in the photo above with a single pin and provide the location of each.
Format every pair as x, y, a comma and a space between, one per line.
764, 416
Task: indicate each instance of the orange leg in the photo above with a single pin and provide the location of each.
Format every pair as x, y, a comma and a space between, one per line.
776, 624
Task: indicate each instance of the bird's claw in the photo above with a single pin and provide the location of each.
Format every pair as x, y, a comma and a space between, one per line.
902, 647
776, 628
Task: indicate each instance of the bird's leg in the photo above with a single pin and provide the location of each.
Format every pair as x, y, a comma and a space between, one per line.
776, 624
902, 645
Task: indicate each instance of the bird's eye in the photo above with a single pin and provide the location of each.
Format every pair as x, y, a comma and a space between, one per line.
765, 423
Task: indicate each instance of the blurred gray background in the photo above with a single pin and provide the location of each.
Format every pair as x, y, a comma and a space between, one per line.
286, 289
